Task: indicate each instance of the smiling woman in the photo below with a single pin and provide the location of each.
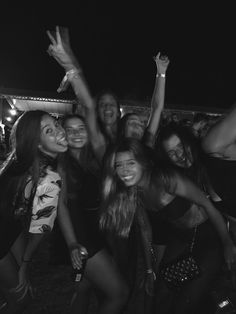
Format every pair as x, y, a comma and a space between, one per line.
29, 193
134, 186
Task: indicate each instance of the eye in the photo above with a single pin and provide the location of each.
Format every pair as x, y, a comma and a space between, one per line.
49, 131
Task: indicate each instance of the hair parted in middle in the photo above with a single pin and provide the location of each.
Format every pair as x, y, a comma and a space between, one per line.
119, 201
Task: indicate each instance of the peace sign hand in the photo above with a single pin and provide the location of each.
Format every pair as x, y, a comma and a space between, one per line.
60, 48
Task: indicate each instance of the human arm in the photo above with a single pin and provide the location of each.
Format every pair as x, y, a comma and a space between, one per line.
220, 141
183, 187
61, 51
66, 226
158, 98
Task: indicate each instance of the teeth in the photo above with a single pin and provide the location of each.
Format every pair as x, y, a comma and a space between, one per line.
127, 177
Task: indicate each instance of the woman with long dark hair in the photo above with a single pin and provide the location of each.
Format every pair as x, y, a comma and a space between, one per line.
78, 218
29, 191
132, 185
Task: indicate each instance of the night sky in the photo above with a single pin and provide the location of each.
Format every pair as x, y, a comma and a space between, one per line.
115, 42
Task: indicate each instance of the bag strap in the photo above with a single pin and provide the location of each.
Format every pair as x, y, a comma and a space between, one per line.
193, 239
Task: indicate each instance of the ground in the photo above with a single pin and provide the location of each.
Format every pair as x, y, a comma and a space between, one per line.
54, 287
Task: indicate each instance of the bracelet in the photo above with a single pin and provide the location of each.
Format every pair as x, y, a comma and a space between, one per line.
150, 271
73, 73
161, 75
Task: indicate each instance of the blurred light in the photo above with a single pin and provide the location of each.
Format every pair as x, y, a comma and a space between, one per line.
9, 119
14, 101
121, 111
13, 112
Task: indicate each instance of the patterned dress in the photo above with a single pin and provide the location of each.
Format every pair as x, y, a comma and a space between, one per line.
35, 207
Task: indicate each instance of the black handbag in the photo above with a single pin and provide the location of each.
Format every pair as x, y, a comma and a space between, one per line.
181, 270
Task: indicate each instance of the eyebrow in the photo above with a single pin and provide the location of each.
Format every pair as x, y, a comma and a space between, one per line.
42, 128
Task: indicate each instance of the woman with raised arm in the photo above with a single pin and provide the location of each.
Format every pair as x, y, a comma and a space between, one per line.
132, 124
131, 186
79, 206
29, 189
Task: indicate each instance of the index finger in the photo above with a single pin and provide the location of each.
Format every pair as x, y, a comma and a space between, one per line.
53, 41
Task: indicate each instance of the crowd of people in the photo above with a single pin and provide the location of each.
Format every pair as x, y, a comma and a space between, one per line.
152, 205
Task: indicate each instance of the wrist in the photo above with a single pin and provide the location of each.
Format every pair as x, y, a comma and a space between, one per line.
162, 75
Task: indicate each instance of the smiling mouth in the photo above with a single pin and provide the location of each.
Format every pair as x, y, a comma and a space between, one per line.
62, 141
127, 178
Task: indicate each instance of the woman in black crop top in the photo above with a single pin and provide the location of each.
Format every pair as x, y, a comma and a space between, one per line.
131, 183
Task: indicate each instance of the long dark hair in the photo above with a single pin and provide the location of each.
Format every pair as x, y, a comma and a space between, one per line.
23, 159
119, 201
197, 171
87, 159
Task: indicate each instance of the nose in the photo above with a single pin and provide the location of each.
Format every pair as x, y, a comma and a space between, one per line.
60, 130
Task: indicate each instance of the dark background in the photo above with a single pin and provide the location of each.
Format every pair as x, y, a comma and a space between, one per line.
115, 42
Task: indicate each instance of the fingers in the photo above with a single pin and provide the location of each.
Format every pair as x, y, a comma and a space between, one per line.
53, 41
58, 36
76, 259
64, 32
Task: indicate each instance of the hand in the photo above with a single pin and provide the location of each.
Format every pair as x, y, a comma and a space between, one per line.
60, 48
162, 63
149, 283
76, 256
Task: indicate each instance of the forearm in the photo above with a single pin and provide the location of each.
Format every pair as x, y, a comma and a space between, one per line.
221, 135
33, 242
157, 105
66, 225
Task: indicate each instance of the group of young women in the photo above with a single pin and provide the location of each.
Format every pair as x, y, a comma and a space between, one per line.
131, 196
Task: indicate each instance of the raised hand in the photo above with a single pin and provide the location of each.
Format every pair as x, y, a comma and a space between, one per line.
60, 48
162, 63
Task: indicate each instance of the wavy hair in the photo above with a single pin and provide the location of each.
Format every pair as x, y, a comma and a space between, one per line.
120, 202
23, 159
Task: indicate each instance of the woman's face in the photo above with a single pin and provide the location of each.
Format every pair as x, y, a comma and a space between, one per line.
108, 109
176, 152
134, 127
76, 133
52, 137
128, 169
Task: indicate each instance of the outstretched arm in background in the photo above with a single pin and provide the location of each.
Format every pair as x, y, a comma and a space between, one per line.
158, 98
61, 50
220, 140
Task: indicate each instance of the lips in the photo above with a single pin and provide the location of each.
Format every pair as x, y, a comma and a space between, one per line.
62, 141
127, 178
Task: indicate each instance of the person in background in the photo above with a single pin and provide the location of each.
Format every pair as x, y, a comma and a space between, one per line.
108, 114
29, 192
